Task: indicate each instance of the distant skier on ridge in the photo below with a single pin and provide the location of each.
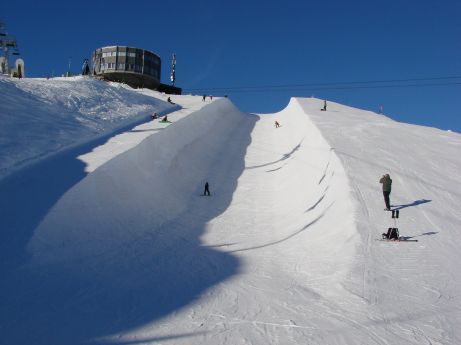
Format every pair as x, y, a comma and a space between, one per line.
387, 186
324, 106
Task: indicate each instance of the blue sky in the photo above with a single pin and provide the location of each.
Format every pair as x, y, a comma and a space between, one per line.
268, 43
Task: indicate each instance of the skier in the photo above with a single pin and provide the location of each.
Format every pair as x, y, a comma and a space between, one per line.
324, 106
154, 116
169, 100
277, 125
207, 189
203, 98
387, 186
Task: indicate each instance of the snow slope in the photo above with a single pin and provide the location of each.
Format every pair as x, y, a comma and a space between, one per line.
39, 117
116, 245
412, 290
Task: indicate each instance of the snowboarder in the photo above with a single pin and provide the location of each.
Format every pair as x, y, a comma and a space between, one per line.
203, 98
324, 106
165, 119
154, 116
169, 100
387, 186
277, 125
207, 189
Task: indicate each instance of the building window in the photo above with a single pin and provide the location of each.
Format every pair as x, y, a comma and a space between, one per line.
132, 54
121, 53
121, 66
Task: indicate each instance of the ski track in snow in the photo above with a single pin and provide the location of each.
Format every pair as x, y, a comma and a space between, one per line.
283, 252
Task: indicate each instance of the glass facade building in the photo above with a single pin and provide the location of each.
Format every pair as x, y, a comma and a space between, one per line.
133, 66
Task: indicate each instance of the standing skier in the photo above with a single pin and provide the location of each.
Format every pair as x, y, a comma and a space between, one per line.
324, 106
207, 189
277, 125
387, 186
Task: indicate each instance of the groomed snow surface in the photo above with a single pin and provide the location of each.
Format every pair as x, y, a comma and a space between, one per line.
106, 237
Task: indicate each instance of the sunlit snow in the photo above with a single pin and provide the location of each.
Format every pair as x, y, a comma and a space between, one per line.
106, 237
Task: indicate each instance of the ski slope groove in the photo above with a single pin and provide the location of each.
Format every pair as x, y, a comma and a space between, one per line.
112, 241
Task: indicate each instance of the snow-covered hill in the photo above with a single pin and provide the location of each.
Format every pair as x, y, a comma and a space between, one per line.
39, 117
112, 242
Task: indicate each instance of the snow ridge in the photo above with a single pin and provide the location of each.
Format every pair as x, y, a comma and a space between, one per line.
115, 244
40, 117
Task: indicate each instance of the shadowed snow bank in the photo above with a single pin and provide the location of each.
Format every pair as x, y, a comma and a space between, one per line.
122, 247
39, 117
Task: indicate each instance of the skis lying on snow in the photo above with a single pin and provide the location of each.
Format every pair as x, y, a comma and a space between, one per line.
401, 239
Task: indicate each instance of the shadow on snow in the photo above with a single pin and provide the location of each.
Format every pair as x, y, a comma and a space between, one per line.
152, 276
414, 203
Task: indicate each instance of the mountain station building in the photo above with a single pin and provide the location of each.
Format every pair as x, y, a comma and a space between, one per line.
136, 67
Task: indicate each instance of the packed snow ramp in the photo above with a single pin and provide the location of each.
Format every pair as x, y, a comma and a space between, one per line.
282, 252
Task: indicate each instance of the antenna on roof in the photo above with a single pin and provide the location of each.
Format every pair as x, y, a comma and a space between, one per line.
173, 70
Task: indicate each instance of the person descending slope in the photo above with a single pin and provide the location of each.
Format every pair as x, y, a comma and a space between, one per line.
277, 125
387, 186
206, 191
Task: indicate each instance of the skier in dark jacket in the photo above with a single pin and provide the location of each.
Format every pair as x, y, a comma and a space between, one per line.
207, 189
387, 186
